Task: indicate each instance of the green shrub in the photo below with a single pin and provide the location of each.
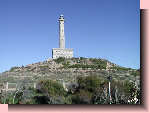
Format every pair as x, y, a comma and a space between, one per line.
82, 97
90, 83
13, 68
98, 61
129, 87
82, 58
82, 66
120, 68
135, 73
66, 64
53, 88
59, 60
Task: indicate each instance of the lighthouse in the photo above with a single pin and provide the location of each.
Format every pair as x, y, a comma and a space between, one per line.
62, 51
61, 32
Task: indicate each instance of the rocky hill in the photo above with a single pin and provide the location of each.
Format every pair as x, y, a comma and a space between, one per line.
70, 81
67, 70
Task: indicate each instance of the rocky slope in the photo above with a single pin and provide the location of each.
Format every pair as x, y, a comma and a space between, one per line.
66, 70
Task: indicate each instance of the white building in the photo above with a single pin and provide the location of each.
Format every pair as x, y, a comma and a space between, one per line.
61, 51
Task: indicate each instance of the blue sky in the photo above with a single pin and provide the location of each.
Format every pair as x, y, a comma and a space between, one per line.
108, 29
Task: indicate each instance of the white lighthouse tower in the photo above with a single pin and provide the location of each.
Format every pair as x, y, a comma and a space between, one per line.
61, 32
62, 51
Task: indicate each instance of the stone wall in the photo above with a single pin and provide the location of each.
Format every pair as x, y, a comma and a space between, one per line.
58, 52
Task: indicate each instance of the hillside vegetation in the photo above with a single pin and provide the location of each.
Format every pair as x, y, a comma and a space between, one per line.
71, 81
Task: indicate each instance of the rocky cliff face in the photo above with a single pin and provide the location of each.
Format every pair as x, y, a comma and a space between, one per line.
67, 70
